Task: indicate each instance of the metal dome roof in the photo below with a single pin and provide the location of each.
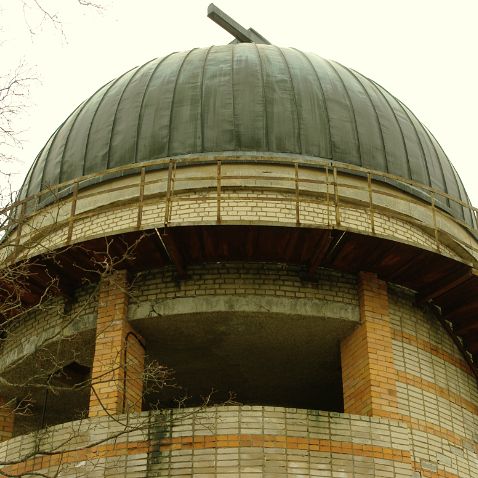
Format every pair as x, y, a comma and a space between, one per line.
244, 97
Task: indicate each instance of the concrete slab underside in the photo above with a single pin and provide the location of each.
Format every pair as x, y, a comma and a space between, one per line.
269, 359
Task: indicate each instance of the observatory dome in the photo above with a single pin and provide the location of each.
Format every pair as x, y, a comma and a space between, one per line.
245, 97
240, 222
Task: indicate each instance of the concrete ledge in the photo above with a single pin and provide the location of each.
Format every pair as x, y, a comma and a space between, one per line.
259, 306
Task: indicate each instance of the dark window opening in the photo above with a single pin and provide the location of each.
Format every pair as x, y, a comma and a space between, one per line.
275, 361
64, 398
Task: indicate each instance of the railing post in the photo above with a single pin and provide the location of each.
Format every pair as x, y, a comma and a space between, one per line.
71, 219
218, 189
336, 198
297, 195
169, 192
327, 194
435, 227
370, 201
140, 199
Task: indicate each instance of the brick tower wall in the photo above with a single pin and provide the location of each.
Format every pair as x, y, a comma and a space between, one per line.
411, 404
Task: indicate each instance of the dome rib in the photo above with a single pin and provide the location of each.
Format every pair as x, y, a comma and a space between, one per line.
282, 124
201, 97
234, 129
345, 140
265, 117
24, 191
422, 149
394, 115
143, 96
88, 142
352, 110
469, 218
173, 98
442, 160
185, 126
372, 150
155, 109
379, 124
71, 150
414, 149
324, 103
456, 178
443, 184
65, 144
46, 152
27, 185
294, 95
115, 116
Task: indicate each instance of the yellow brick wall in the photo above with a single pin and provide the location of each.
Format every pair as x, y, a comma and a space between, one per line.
399, 363
46, 325
228, 441
234, 278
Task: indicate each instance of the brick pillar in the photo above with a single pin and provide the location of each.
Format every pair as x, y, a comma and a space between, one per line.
118, 364
7, 420
368, 374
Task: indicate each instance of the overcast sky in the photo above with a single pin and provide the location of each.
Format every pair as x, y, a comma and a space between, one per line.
422, 51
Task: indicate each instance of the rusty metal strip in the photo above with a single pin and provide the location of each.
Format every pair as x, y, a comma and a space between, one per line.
336, 197
169, 192
71, 219
218, 191
435, 228
141, 199
297, 195
370, 200
327, 195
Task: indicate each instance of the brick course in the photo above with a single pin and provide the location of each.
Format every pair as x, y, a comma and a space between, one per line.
228, 441
263, 279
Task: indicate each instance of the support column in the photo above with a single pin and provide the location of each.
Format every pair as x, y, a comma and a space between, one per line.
368, 374
7, 420
118, 364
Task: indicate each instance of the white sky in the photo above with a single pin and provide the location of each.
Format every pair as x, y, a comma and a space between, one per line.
422, 51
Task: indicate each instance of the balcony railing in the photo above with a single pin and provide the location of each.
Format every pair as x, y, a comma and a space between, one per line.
330, 185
